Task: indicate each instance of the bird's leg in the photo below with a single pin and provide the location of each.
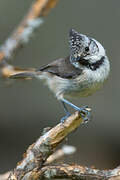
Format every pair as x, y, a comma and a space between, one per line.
84, 112
66, 111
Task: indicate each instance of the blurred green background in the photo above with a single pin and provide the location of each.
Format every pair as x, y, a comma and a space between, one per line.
26, 107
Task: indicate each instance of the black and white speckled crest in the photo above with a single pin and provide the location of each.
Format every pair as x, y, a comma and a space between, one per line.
77, 42
82, 46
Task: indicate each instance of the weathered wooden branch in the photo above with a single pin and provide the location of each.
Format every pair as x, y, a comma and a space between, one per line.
74, 172
36, 162
65, 171
65, 150
22, 34
37, 153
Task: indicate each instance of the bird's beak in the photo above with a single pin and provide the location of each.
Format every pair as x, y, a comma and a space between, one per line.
74, 59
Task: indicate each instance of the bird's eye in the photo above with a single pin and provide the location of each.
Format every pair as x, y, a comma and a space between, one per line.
86, 49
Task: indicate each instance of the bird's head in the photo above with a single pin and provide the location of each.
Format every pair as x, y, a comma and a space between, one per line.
85, 50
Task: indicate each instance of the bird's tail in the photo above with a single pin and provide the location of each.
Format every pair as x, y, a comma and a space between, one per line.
25, 74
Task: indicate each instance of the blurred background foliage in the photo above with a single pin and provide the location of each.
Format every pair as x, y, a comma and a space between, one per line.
26, 107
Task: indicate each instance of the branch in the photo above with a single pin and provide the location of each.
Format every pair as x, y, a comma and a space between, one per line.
22, 34
37, 153
36, 159
65, 150
76, 172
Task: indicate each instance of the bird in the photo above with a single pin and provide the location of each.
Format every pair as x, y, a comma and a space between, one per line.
80, 74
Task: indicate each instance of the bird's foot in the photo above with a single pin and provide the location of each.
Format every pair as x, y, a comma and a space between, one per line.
85, 113
65, 117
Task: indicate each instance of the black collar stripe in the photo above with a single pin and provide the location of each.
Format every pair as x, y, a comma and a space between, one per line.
92, 66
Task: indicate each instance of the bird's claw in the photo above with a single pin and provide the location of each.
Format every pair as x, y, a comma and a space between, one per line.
85, 113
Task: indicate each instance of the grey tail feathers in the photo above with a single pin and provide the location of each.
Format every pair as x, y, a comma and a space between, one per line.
24, 75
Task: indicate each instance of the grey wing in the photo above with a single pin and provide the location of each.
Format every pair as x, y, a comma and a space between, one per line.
62, 68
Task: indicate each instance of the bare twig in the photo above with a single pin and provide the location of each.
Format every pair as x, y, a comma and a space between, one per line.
69, 172
73, 172
65, 150
38, 152
23, 32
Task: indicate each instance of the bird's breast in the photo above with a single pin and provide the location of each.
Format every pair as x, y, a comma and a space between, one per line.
89, 81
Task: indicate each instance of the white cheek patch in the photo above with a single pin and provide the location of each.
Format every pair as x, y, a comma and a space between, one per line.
96, 51
101, 48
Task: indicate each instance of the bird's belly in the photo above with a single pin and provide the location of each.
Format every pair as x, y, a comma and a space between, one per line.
74, 88
82, 92
82, 86
87, 84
